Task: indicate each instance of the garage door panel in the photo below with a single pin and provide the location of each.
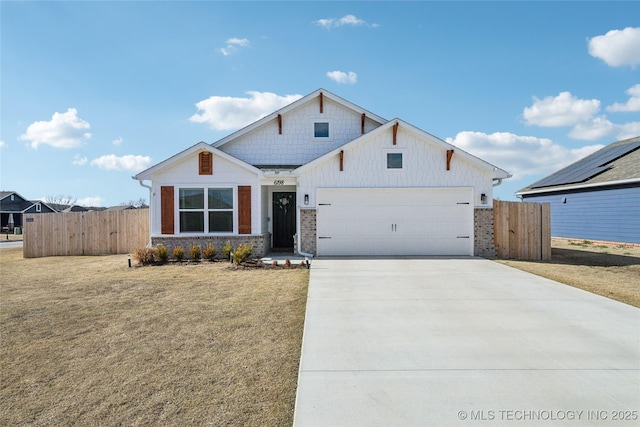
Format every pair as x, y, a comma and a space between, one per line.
395, 221
394, 247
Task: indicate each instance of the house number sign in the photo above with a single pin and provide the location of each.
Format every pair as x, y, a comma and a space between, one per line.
278, 182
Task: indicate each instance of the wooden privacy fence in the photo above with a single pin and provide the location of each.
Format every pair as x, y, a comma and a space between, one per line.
522, 230
85, 233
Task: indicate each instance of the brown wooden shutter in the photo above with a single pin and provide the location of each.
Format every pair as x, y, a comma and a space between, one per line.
244, 209
205, 163
167, 209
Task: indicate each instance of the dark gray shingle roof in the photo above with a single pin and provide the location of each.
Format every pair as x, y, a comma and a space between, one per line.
615, 162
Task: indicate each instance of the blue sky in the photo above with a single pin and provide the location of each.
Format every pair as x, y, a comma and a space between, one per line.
94, 92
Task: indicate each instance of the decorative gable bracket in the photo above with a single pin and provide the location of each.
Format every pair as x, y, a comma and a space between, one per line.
449, 156
395, 132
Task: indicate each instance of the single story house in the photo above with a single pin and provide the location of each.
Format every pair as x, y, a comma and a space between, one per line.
597, 197
324, 177
13, 206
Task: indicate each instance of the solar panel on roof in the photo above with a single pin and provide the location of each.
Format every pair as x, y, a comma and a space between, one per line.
588, 167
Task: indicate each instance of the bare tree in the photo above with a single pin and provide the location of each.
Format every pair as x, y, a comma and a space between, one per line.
140, 203
60, 200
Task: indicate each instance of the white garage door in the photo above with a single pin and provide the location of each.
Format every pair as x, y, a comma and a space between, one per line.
394, 221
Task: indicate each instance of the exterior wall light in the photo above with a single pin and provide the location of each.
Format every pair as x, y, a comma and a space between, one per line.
306, 199
483, 199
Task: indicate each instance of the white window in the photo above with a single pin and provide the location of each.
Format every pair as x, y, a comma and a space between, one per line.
321, 130
38, 207
395, 161
208, 209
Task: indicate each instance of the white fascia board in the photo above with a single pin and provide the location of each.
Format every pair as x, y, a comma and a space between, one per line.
578, 187
200, 146
294, 105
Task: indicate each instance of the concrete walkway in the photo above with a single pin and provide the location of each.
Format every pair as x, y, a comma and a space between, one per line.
469, 342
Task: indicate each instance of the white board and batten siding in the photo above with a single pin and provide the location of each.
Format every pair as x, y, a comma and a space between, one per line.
394, 221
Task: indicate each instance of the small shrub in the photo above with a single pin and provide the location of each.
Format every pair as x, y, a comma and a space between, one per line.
196, 252
144, 256
227, 249
242, 253
178, 253
209, 252
163, 253
287, 262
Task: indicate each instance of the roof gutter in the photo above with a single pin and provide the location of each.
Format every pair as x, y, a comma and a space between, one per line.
579, 186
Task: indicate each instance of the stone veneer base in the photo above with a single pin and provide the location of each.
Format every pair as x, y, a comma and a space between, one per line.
261, 243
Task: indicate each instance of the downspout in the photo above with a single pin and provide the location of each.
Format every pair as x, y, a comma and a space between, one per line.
305, 254
495, 184
150, 195
299, 234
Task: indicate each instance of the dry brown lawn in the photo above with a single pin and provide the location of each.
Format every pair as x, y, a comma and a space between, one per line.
89, 341
10, 237
608, 269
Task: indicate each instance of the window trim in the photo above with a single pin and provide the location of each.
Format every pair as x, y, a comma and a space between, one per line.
394, 151
322, 138
205, 210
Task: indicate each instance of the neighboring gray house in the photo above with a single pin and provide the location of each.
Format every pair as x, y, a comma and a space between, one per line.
75, 208
597, 197
323, 176
13, 206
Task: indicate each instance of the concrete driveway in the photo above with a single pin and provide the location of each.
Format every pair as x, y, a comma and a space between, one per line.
469, 342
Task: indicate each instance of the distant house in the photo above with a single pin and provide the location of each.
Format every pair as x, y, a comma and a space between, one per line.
75, 208
13, 206
121, 208
597, 197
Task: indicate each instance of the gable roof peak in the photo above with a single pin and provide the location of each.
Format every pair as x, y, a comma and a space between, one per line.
294, 105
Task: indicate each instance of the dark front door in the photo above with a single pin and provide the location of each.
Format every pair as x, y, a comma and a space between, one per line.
284, 220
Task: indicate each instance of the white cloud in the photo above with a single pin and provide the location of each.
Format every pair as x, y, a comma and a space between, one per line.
3, 144
79, 160
118, 141
595, 128
352, 20
562, 110
90, 201
233, 44
64, 130
617, 47
628, 130
601, 127
633, 104
520, 155
344, 78
230, 113
128, 162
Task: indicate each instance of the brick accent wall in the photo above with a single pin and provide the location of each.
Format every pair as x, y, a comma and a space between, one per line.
261, 243
308, 230
483, 233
